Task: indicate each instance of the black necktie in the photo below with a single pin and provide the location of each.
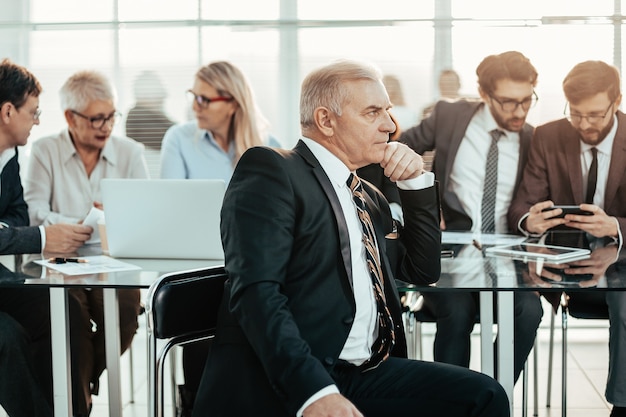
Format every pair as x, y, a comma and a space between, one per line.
592, 178
488, 206
383, 344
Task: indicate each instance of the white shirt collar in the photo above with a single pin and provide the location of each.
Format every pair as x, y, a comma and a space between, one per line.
5, 157
606, 146
489, 123
336, 170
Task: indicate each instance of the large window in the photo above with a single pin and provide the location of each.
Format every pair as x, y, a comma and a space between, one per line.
276, 42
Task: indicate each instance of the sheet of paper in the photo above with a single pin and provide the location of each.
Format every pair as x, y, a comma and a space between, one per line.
466, 238
92, 219
94, 265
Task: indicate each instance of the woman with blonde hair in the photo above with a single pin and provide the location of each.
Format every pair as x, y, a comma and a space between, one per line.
228, 122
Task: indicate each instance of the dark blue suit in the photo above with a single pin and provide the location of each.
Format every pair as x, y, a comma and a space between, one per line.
25, 353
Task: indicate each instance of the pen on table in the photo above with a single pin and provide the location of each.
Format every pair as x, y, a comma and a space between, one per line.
477, 244
67, 260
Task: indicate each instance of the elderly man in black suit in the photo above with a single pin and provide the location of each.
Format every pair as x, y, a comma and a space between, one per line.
310, 324
462, 133
25, 357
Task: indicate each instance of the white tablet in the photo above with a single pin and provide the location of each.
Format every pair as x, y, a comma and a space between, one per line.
533, 251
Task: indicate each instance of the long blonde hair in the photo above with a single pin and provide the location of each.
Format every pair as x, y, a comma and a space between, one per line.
248, 125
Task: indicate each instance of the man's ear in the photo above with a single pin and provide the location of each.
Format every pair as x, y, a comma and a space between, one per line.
5, 111
324, 121
69, 118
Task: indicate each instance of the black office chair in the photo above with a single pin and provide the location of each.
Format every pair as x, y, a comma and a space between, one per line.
582, 306
416, 313
181, 308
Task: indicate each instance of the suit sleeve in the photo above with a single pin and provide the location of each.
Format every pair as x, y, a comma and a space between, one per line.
421, 138
257, 226
20, 240
421, 237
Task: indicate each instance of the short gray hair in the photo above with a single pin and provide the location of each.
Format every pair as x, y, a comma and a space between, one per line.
83, 87
324, 87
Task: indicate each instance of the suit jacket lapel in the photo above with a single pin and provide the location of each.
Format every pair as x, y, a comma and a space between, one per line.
618, 161
458, 135
572, 154
524, 144
327, 187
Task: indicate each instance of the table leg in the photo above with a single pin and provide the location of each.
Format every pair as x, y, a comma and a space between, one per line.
112, 340
61, 359
486, 333
505, 343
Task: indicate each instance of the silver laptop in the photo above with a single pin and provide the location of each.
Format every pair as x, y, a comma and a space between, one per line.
168, 219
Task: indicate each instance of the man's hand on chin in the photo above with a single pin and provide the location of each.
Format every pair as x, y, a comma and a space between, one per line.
401, 162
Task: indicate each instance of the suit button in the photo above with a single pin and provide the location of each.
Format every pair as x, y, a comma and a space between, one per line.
329, 361
348, 320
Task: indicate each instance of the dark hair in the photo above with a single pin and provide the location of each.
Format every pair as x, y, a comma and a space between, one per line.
590, 78
17, 83
507, 65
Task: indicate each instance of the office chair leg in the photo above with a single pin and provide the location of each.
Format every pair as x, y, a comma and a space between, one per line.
525, 390
175, 399
564, 370
550, 358
535, 380
132, 374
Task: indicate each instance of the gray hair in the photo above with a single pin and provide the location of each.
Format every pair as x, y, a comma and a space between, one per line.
324, 87
84, 87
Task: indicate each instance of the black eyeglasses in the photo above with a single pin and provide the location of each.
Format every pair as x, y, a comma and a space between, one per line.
509, 106
203, 101
98, 121
592, 119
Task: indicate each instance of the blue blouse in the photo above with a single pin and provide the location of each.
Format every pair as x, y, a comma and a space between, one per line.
188, 152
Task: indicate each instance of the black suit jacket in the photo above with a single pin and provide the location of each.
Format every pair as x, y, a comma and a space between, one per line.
17, 238
554, 171
288, 305
443, 131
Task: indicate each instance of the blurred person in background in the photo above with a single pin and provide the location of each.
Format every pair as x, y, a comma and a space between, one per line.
228, 122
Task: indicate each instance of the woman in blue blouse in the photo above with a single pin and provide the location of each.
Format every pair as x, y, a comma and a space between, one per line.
227, 123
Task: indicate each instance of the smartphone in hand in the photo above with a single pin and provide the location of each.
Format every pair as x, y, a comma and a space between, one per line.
568, 210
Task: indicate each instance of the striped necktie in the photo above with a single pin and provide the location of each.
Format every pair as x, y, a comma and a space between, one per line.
386, 336
488, 206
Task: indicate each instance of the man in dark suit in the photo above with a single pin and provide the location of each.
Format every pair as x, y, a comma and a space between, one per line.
25, 365
461, 134
306, 322
580, 160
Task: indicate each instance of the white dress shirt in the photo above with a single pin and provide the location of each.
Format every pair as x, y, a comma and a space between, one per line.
57, 188
604, 161
468, 171
358, 346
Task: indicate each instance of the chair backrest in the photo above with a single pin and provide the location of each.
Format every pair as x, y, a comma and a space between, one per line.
590, 305
185, 302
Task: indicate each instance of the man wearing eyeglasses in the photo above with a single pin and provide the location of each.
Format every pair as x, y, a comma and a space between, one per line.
579, 160
25, 352
481, 149
62, 185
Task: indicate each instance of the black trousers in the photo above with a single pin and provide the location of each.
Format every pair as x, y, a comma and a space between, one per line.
25, 352
411, 388
456, 314
87, 338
